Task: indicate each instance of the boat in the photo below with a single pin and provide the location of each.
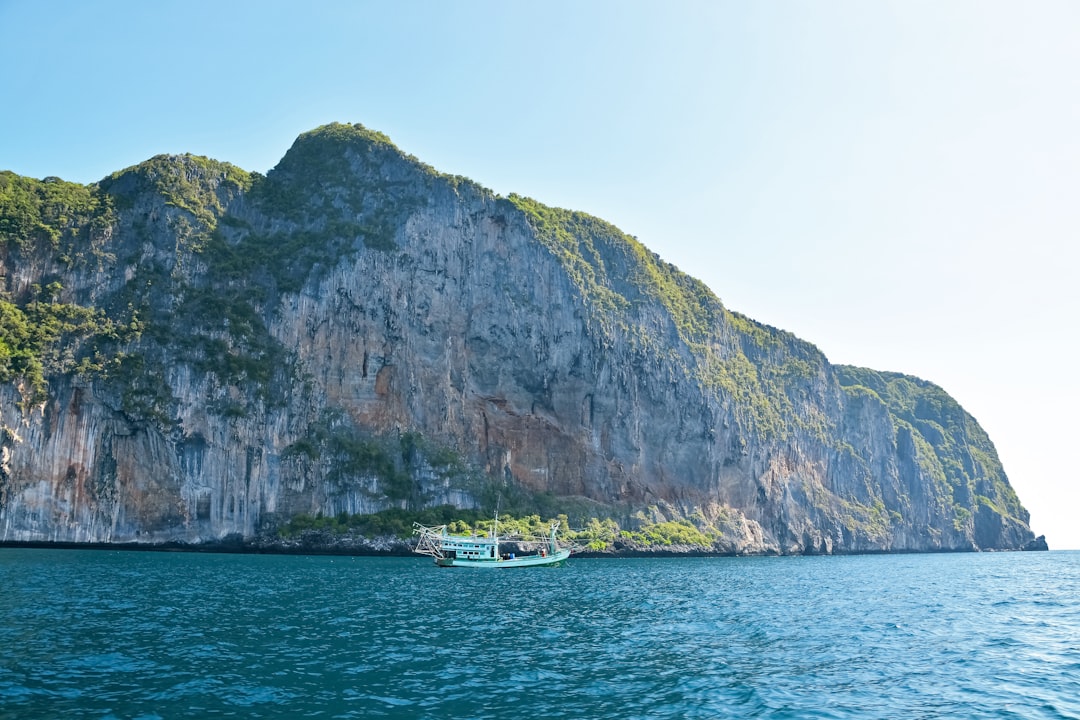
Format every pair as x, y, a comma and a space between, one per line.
482, 551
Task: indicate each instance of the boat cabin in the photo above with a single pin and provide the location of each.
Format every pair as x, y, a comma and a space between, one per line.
469, 548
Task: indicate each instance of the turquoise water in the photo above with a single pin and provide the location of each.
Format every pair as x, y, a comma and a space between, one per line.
95, 634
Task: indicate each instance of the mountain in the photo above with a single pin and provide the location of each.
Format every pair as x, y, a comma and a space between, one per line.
189, 351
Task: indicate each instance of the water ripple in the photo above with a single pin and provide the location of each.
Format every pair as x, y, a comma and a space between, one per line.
148, 635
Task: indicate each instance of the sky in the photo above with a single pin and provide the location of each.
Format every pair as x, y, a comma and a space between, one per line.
895, 182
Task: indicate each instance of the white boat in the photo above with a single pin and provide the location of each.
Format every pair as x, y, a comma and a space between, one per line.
483, 550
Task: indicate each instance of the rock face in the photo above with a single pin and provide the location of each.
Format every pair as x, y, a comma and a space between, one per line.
189, 351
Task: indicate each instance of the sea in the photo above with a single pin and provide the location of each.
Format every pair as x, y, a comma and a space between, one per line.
122, 634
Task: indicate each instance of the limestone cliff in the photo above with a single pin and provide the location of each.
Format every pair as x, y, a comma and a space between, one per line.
189, 351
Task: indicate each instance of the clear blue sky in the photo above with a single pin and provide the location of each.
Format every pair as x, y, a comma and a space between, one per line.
896, 182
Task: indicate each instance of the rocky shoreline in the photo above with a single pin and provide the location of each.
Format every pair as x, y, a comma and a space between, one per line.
328, 544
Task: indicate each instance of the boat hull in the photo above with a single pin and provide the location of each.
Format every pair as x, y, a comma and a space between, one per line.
555, 558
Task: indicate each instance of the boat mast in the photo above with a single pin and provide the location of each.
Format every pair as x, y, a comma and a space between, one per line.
495, 530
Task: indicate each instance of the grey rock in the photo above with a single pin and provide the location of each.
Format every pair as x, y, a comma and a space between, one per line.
357, 332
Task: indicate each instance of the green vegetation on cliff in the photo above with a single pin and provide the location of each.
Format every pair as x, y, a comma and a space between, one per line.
614, 272
39, 337
41, 331
384, 467
52, 212
331, 181
595, 535
951, 448
765, 370
216, 319
192, 183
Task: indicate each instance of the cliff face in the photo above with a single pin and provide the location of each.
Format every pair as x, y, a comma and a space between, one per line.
189, 351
